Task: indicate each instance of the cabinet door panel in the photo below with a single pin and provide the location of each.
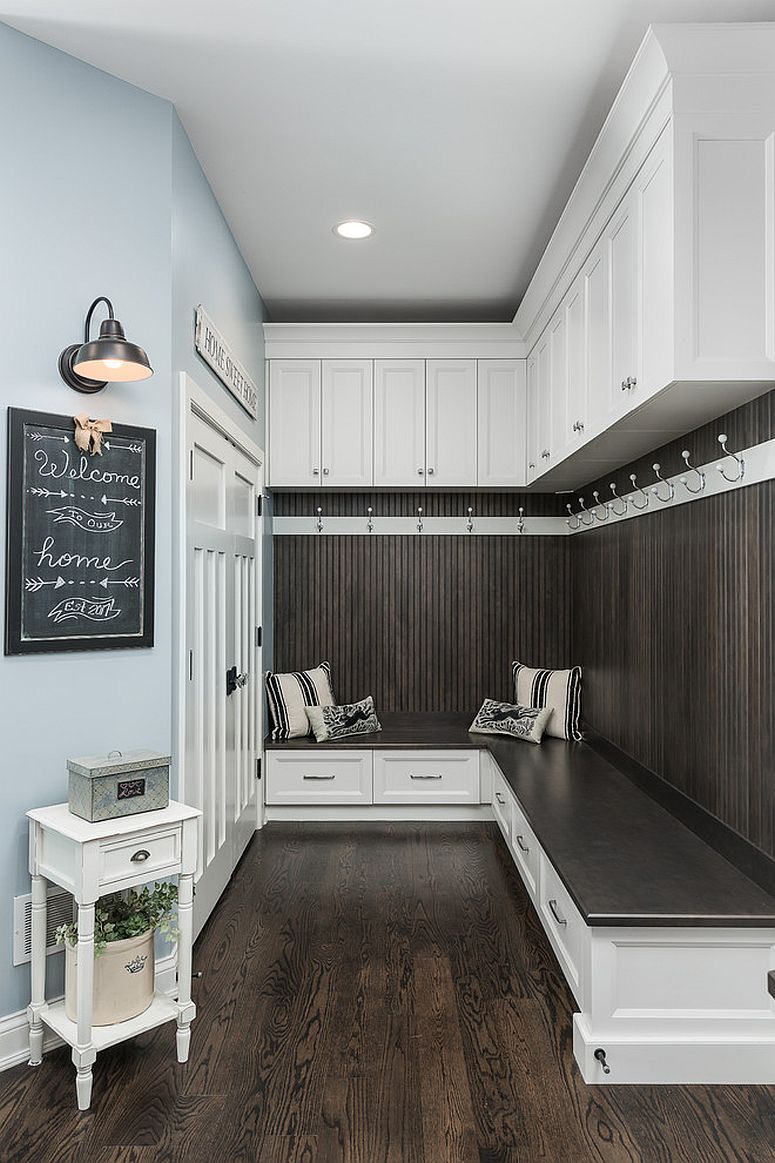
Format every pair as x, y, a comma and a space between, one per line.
451, 422
597, 341
399, 423
558, 389
623, 251
576, 393
656, 258
347, 423
532, 418
294, 422
544, 402
502, 417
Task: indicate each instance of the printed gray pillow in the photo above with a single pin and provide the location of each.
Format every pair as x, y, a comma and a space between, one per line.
526, 723
337, 722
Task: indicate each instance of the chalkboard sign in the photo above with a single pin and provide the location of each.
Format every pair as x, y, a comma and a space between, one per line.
80, 537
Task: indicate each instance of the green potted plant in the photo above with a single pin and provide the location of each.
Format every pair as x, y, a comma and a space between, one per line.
124, 926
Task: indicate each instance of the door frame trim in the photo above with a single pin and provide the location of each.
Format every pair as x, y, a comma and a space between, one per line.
191, 399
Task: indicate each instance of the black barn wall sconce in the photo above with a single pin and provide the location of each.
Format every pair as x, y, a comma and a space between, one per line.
89, 366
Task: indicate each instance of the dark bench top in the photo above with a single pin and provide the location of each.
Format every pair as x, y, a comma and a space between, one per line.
624, 859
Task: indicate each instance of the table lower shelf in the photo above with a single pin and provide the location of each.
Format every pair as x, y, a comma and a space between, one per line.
162, 1009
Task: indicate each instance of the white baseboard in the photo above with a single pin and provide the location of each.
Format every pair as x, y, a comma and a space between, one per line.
14, 1030
426, 813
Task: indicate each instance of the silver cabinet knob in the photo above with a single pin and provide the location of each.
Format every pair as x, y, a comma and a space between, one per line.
430, 472
632, 382
531, 464
325, 472
316, 472
140, 857
420, 472
581, 425
624, 385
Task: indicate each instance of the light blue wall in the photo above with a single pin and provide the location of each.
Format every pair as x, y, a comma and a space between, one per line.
141, 226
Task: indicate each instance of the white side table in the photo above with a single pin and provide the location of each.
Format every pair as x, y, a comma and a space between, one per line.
91, 860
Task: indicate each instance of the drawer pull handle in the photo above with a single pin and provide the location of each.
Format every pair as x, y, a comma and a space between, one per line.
523, 847
560, 920
140, 856
318, 777
425, 776
499, 798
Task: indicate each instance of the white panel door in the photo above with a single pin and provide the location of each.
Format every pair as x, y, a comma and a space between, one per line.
576, 384
622, 235
502, 408
223, 710
347, 418
399, 423
294, 423
450, 436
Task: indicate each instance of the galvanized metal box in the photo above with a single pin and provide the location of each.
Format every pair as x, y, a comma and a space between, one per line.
103, 787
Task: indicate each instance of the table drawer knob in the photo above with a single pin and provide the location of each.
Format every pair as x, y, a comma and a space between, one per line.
140, 856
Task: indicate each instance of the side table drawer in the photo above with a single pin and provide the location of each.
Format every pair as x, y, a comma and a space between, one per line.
140, 857
315, 777
426, 777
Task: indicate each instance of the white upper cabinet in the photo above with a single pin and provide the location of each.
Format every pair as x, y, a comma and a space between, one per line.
502, 416
399, 423
575, 409
622, 238
450, 431
596, 285
294, 423
347, 412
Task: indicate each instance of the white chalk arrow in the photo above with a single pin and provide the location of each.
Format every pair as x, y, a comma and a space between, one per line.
33, 584
48, 493
43, 436
127, 447
119, 500
129, 583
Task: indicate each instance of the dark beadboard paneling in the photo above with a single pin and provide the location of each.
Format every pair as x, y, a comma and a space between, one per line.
675, 630
406, 504
422, 623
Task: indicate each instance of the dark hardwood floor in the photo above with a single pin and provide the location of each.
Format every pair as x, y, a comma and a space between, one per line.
372, 994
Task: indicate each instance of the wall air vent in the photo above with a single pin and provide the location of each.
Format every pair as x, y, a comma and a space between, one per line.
60, 911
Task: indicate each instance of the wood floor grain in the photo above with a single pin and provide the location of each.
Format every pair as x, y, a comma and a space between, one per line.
376, 993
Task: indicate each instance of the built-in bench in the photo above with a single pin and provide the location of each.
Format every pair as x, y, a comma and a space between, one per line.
665, 945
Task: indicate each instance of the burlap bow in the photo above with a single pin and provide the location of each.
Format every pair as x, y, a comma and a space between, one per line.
88, 433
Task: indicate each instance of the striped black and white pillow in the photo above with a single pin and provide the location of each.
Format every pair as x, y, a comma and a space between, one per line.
558, 689
289, 694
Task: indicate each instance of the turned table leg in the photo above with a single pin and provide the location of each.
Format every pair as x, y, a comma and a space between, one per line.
186, 1008
38, 969
84, 1054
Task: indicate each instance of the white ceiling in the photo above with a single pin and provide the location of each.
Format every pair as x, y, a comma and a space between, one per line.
457, 127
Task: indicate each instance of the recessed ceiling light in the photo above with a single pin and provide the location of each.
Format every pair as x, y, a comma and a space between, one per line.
353, 228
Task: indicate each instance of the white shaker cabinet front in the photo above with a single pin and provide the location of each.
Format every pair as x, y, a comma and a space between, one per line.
294, 423
399, 423
347, 416
501, 405
622, 237
450, 429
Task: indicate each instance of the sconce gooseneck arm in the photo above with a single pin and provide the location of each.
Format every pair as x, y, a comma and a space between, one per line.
90, 312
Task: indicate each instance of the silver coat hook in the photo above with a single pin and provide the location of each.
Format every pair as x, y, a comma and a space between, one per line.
571, 518
371, 522
700, 474
622, 501
419, 520
735, 456
643, 494
521, 521
470, 521
600, 505
586, 513
320, 519
661, 481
